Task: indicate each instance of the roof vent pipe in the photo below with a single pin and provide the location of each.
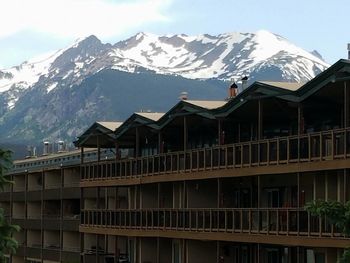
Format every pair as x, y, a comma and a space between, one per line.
244, 82
183, 95
46, 149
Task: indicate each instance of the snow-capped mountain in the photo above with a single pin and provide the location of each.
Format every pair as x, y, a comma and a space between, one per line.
224, 56
47, 91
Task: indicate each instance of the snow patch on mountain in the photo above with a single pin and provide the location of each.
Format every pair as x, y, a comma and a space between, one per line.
261, 55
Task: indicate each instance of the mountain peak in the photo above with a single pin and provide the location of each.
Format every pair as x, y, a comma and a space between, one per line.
89, 40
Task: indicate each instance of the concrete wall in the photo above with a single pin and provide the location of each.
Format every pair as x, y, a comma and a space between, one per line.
52, 238
33, 209
35, 181
71, 240
33, 238
18, 210
16, 259
89, 241
19, 236
52, 179
71, 176
201, 251
19, 183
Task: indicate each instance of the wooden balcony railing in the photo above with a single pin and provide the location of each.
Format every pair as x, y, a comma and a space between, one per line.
266, 221
327, 145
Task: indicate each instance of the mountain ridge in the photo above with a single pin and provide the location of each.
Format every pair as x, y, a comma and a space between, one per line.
40, 97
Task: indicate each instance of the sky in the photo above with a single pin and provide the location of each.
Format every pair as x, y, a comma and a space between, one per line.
30, 28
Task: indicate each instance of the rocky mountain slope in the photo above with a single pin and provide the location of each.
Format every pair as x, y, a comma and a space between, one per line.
60, 94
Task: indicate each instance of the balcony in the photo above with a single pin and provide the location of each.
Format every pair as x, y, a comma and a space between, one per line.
263, 221
312, 147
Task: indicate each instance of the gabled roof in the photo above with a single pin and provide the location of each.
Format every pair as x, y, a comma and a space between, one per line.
101, 133
291, 86
139, 119
111, 125
338, 71
154, 116
253, 92
186, 107
207, 104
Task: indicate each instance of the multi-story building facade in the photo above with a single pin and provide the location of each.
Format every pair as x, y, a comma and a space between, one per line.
45, 202
207, 181
223, 181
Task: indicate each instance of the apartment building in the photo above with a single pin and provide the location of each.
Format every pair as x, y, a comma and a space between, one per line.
45, 202
206, 182
222, 181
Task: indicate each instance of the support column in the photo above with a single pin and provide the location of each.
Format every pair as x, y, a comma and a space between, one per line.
260, 119
298, 204
259, 216
185, 133
218, 193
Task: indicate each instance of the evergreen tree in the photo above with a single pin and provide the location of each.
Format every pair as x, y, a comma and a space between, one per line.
7, 243
338, 214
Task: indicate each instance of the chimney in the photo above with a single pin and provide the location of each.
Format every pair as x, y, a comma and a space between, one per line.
46, 149
348, 50
232, 91
61, 147
183, 95
34, 151
244, 82
29, 152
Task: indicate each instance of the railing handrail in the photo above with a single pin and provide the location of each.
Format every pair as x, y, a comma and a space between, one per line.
223, 146
198, 209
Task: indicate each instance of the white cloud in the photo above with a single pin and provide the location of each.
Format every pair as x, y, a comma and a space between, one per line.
79, 18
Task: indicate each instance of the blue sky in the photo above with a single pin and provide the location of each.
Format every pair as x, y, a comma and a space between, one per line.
31, 28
